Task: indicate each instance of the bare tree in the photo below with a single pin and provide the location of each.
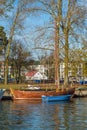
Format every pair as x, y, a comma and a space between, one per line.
53, 9
5, 5
18, 16
67, 20
19, 58
73, 20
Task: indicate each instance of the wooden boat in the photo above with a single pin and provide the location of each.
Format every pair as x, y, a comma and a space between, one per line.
50, 98
37, 94
81, 92
1, 93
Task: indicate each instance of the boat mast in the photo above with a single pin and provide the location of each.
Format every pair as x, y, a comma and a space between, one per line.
56, 55
56, 46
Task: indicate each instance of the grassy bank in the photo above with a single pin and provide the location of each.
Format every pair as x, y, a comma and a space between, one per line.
18, 86
43, 86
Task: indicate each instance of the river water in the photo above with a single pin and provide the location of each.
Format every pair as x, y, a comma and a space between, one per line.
23, 115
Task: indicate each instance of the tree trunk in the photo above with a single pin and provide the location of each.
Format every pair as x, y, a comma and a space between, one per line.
8, 48
66, 60
6, 71
7, 63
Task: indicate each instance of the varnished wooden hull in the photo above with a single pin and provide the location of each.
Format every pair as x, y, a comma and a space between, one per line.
37, 95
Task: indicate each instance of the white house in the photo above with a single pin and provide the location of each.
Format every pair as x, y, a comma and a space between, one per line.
35, 75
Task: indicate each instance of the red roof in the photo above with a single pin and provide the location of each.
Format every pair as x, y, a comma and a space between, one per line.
32, 73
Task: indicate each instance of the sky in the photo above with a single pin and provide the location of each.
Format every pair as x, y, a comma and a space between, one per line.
28, 34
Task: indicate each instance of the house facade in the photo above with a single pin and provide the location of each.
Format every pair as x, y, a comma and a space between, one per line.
73, 71
35, 75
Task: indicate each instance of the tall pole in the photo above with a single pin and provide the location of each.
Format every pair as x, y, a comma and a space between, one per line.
56, 47
56, 55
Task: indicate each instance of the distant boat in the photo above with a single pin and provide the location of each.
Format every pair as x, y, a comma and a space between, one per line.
2, 93
37, 94
56, 98
81, 92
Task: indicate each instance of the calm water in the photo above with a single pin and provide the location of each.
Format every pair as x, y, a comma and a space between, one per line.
22, 115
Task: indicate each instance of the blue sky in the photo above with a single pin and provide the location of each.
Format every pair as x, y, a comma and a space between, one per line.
30, 24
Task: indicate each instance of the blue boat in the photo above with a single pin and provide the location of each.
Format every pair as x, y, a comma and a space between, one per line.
56, 98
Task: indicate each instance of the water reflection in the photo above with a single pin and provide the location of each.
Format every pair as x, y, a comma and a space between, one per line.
25, 115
